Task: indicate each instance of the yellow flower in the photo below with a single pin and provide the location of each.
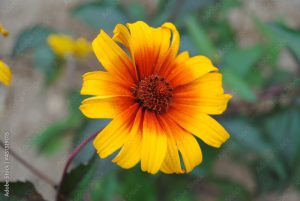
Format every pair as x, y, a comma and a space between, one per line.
3, 31
64, 45
5, 74
159, 101
82, 47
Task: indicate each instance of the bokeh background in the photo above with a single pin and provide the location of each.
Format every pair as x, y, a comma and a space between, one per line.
255, 43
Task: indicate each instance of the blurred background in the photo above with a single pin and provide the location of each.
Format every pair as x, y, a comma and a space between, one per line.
255, 43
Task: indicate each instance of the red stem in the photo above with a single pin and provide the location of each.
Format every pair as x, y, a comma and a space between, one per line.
69, 161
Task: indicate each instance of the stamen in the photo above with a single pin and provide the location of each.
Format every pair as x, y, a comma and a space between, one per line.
153, 93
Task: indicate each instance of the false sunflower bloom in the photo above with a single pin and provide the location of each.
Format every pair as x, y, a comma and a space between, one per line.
159, 100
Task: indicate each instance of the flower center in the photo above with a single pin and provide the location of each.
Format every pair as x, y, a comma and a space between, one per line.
153, 93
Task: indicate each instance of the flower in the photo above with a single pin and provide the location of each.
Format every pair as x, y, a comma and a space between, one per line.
5, 74
64, 45
3, 31
158, 100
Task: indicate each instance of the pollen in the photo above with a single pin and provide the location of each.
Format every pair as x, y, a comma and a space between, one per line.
153, 93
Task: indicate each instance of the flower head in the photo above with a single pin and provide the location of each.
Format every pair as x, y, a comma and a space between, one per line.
5, 74
64, 45
159, 101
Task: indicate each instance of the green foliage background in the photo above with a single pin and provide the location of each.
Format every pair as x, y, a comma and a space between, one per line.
263, 118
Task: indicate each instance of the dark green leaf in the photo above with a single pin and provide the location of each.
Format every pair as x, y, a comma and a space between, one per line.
30, 38
242, 60
78, 180
283, 129
200, 37
247, 135
100, 15
137, 185
20, 191
136, 11
50, 140
92, 126
105, 188
47, 63
239, 85
229, 190
273, 44
289, 37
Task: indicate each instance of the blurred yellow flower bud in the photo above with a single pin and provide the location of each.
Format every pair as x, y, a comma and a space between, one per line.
3, 31
63, 45
5, 74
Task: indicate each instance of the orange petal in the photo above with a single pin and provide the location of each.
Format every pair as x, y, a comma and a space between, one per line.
201, 125
130, 153
205, 95
116, 133
179, 60
102, 83
105, 106
113, 58
154, 144
149, 47
190, 70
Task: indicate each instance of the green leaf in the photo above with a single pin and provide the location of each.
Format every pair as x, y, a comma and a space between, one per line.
273, 44
47, 63
247, 135
30, 38
20, 191
200, 37
229, 190
88, 128
137, 185
100, 15
283, 129
105, 188
136, 11
78, 180
236, 83
270, 174
242, 60
50, 140
289, 37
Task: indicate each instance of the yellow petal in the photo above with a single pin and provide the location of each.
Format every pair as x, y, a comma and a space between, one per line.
105, 106
82, 47
5, 74
113, 58
102, 83
205, 95
171, 162
201, 125
61, 44
116, 133
190, 70
186, 144
154, 144
130, 153
205, 105
189, 149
